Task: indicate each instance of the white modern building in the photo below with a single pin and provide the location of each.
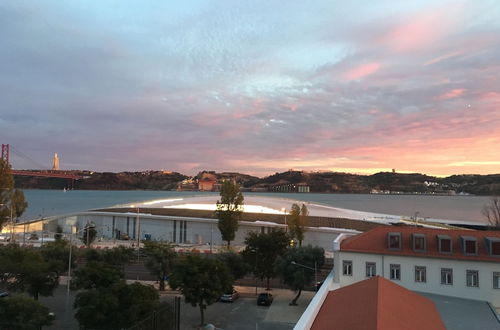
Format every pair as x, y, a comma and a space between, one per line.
458, 263
145, 220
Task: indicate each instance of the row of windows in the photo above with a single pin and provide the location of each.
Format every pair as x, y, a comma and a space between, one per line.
469, 244
472, 276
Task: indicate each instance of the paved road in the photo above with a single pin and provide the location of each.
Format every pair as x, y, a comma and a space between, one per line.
244, 314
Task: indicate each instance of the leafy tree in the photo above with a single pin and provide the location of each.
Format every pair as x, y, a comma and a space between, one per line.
89, 234
116, 307
12, 200
58, 235
297, 276
229, 210
160, 257
25, 269
298, 221
57, 254
235, 263
491, 212
96, 274
201, 280
23, 313
262, 250
117, 256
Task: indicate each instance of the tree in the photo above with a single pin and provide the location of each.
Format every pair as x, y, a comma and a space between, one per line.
297, 276
117, 256
89, 234
57, 255
262, 250
25, 269
229, 210
23, 313
118, 306
12, 201
201, 280
491, 212
235, 263
58, 235
298, 221
96, 274
159, 260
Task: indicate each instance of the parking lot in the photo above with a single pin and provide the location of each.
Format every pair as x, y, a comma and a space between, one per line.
244, 313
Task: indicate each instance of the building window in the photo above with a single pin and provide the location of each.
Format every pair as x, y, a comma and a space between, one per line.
395, 272
371, 269
444, 244
496, 280
347, 267
447, 276
394, 241
472, 278
419, 242
420, 274
469, 245
493, 246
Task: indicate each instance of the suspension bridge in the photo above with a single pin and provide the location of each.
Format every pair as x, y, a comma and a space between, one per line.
41, 172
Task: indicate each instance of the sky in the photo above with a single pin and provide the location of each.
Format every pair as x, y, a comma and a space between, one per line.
256, 87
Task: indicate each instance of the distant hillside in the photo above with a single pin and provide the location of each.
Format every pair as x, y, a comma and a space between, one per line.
319, 182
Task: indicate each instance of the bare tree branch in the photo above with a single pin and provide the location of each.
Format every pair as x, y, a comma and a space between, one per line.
491, 212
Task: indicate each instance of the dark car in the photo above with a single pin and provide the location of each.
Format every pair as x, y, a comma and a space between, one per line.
265, 299
4, 293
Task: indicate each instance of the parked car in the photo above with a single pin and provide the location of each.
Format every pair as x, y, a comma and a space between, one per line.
4, 293
230, 297
265, 299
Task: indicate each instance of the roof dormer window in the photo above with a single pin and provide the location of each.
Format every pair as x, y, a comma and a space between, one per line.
419, 243
444, 244
493, 246
394, 241
469, 245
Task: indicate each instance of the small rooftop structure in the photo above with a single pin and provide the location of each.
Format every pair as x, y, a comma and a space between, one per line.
377, 304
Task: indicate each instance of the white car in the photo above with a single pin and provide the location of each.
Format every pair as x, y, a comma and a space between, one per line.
230, 297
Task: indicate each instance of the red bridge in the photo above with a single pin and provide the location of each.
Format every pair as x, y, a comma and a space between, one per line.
39, 173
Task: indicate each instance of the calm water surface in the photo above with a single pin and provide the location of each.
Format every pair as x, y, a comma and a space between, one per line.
43, 203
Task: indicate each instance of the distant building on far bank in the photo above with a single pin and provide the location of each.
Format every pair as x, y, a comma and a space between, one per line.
290, 187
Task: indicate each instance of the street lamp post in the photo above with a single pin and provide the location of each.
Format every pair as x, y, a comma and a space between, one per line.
138, 234
255, 274
315, 270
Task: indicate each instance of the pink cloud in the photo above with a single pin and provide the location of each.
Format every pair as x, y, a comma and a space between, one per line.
362, 71
422, 30
443, 57
451, 94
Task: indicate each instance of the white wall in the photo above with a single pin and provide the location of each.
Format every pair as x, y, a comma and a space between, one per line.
198, 230
433, 266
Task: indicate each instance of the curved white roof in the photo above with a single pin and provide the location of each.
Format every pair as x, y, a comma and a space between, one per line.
269, 205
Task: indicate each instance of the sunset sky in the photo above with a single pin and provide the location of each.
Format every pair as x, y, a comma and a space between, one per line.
252, 86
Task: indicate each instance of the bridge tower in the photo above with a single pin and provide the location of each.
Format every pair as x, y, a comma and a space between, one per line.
5, 153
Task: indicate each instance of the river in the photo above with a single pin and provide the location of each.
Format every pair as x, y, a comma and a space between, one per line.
44, 203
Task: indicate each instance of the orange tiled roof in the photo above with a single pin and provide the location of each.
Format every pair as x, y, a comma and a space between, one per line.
376, 241
377, 304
